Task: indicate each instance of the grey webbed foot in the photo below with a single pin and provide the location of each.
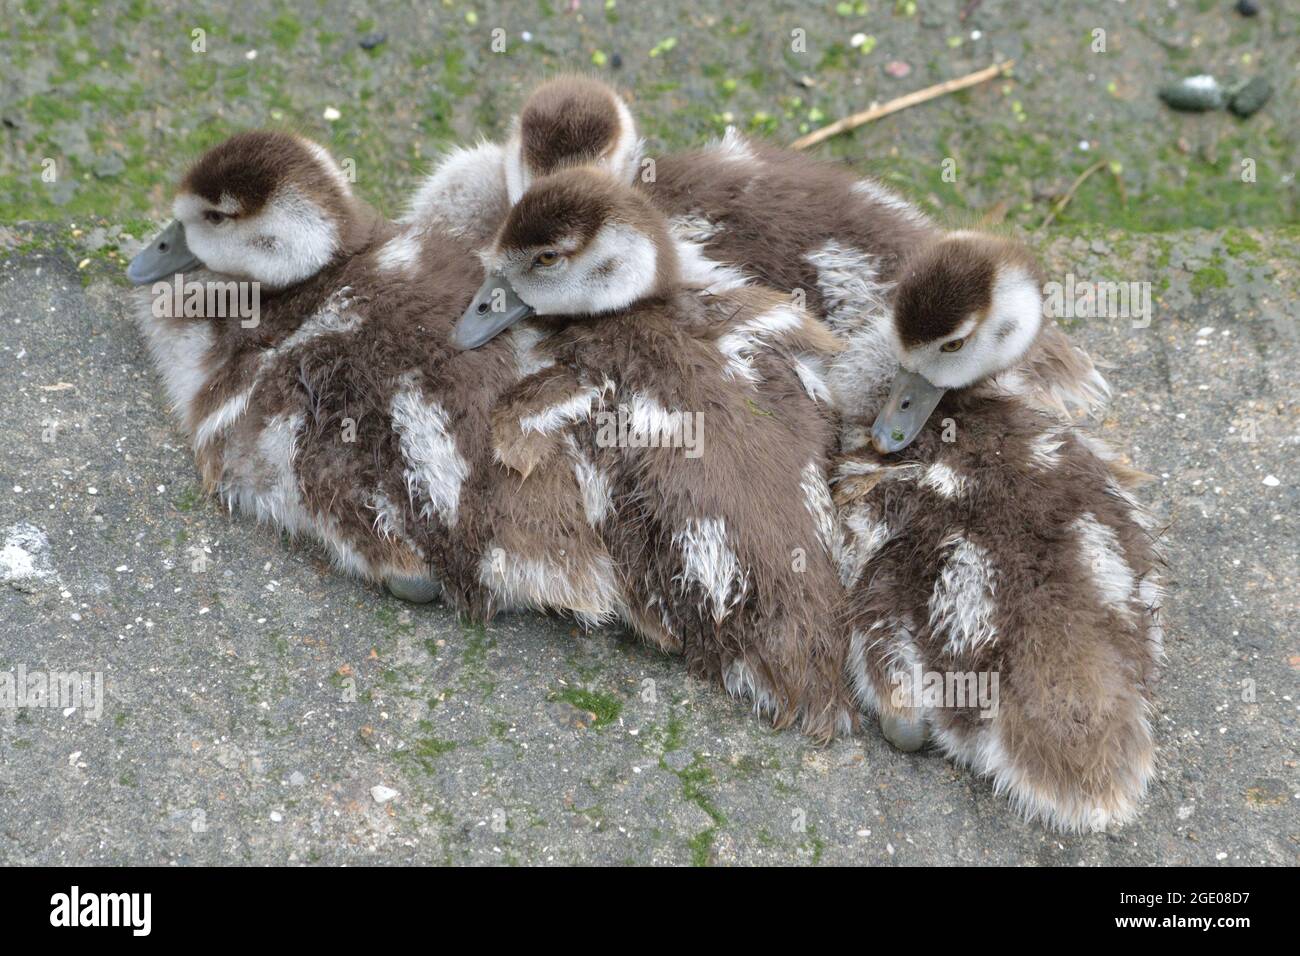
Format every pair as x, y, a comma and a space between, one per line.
908, 734
417, 590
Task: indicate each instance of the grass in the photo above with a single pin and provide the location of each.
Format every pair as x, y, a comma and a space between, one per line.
120, 123
695, 777
604, 708
425, 750
1209, 277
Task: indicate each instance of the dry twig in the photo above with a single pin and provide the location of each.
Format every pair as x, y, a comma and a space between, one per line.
901, 103
1069, 193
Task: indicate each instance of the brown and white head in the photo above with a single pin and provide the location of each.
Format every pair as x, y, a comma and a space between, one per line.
571, 121
967, 307
262, 206
579, 244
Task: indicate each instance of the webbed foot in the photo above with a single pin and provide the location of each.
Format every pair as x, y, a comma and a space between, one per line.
908, 734
417, 590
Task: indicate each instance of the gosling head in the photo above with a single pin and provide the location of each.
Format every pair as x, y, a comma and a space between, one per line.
262, 206
967, 307
578, 243
571, 121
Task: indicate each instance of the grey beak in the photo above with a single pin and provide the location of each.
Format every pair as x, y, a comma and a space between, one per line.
495, 308
911, 400
164, 257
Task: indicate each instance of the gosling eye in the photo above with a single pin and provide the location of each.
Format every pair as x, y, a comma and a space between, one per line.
214, 217
953, 346
547, 258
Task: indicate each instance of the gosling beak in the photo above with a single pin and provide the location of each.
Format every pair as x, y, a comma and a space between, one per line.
495, 308
164, 257
911, 400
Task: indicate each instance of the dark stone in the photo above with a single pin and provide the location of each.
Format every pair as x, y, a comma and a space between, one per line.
1247, 8
372, 40
106, 167
1195, 94
1250, 99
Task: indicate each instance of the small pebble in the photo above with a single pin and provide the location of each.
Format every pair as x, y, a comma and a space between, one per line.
615, 61
276, 816
1250, 99
331, 114
1195, 94
296, 779
1271, 481
372, 40
1247, 8
383, 794
897, 69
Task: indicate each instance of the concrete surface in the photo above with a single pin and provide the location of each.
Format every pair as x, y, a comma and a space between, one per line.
255, 699
230, 731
